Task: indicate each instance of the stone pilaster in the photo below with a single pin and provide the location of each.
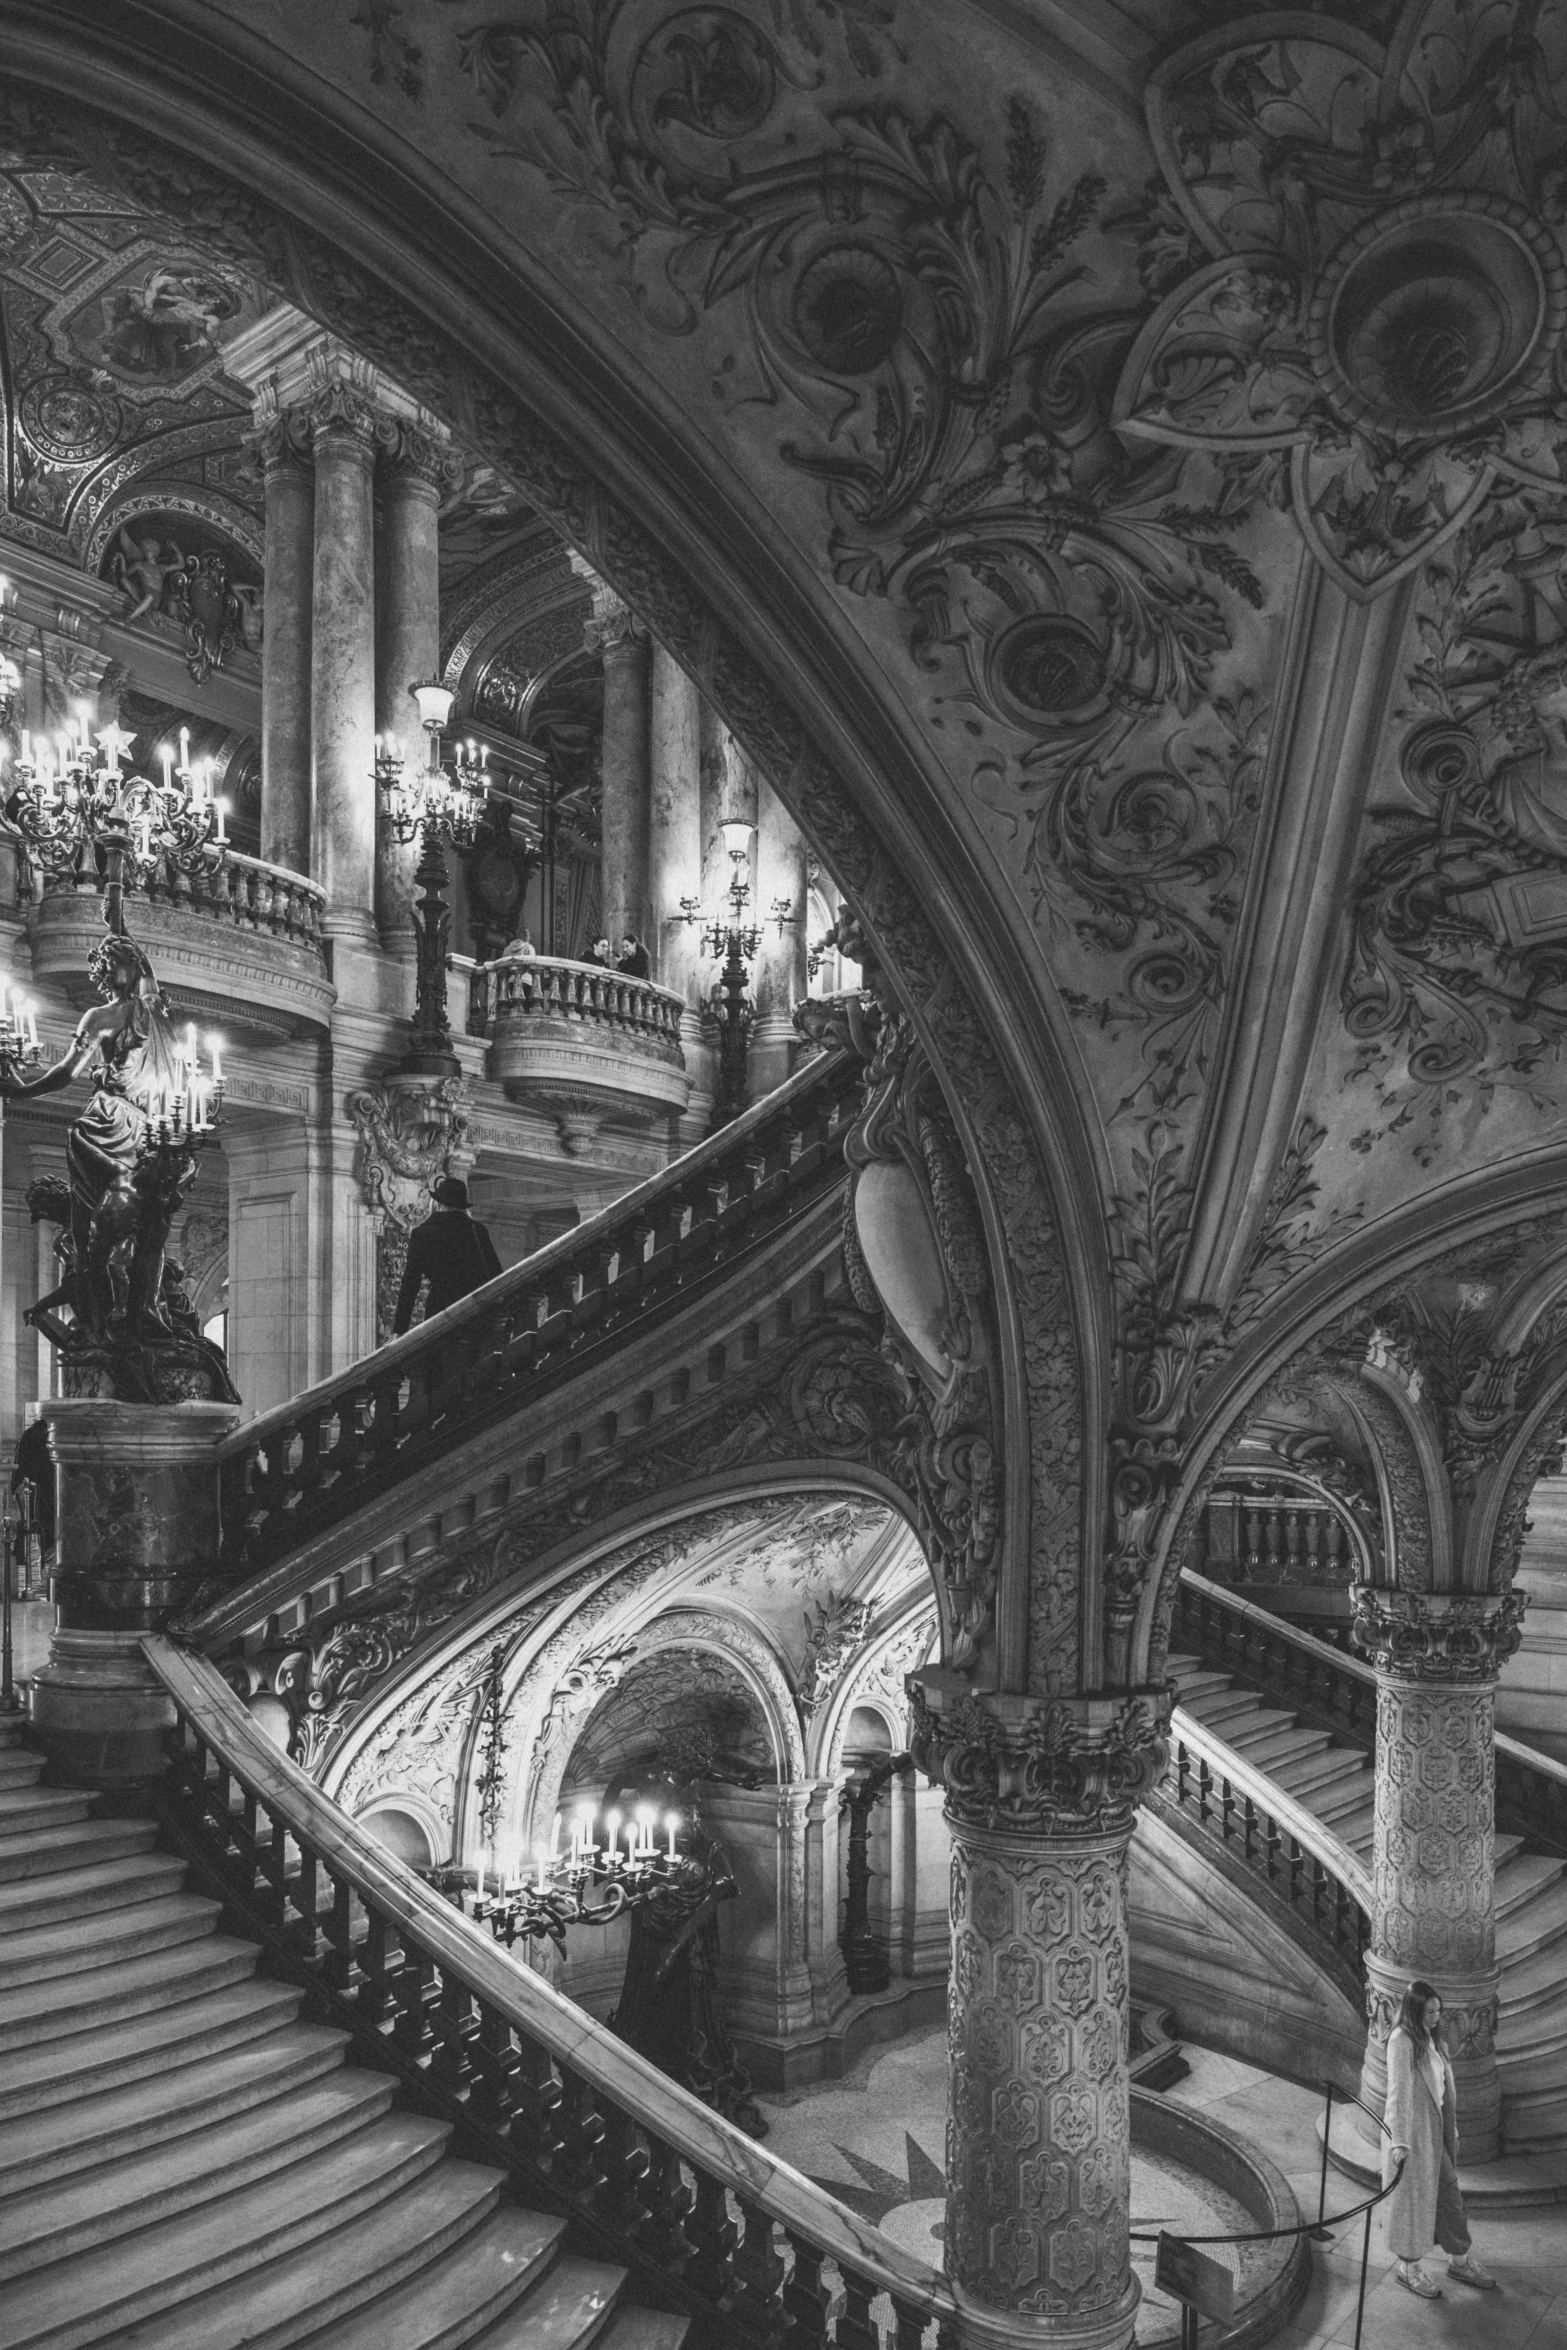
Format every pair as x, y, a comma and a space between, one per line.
284, 446
627, 768
415, 467
1040, 1802
344, 430
1437, 1659
137, 1488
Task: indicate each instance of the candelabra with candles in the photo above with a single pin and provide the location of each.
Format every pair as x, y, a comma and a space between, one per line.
20, 1049
590, 1884
435, 805
66, 797
734, 940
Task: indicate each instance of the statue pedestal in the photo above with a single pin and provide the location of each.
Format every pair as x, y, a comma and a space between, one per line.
137, 1501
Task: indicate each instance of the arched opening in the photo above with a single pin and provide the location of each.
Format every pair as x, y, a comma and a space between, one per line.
405, 1836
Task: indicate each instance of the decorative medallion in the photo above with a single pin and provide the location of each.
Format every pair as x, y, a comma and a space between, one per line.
67, 421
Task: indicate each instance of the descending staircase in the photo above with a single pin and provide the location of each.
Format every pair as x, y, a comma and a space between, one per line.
1336, 1783
183, 2163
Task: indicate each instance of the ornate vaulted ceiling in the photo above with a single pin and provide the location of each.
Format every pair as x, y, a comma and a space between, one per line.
1107, 467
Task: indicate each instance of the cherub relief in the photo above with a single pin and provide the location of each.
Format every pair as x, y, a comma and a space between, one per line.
141, 569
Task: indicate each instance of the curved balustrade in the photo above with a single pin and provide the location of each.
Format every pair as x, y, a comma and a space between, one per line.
552, 987
1338, 1692
310, 1463
1324, 1883
708, 2221
244, 891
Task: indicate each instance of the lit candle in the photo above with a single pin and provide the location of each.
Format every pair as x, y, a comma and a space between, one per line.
479, 1888
167, 757
27, 748
672, 1823
213, 1043
192, 1056
184, 748
221, 836
611, 1835
585, 1831
32, 1025
543, 1884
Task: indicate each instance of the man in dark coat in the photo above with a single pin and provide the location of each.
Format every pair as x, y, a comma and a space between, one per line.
449, 1251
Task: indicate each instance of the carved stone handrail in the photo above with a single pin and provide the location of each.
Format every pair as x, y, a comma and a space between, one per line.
310, 1463
1338, 1692
1277, 1839
553, 987
242, 891
707, 2221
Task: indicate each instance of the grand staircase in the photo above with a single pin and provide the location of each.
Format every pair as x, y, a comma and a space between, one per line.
1334, 1781
186, 2164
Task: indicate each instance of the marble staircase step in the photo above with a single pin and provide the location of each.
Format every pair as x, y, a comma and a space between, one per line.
1281, 1743
42, 1852
458, 2297
644, 2329
1521, 1877
1505, 1848
1538, 1980
60, 2140
1532, 1925
568, 2310
1222, 1707
26, 1810
1320, 1774
167, 2039
36, 2012
122, 2197
19, 1767
87, 1892
99, 2294
48, 1952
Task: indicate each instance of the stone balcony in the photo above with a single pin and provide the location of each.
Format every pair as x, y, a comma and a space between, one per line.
240, 944
586, 1045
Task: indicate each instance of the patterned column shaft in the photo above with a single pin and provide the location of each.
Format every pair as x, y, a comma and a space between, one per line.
1434, 1852
1040, 1807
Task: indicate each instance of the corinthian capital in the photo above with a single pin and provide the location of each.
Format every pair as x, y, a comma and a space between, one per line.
340, 413
1041, 1766
614, 625
283, 440
1427, 1636
413, 454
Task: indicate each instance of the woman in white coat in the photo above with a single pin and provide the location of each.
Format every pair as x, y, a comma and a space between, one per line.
1422, 2134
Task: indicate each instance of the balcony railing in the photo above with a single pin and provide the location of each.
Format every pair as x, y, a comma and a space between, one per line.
242, 891
707, 2221
1338, 1692
550, 987
293, 1472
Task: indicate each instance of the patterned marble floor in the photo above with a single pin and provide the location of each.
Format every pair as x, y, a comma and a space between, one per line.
876, 2139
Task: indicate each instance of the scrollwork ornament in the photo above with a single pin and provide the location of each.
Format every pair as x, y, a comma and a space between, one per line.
1045, 1767
1418, 1636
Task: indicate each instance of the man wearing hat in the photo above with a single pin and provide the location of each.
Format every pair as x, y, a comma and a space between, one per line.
449, 1251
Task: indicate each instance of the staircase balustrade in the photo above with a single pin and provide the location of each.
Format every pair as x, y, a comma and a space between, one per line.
551, 987
707, 2220
309, 1464
1338, 1693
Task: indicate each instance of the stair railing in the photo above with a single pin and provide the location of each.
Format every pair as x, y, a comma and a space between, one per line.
708, 2221
1212, 1787
293, 1472
1338, 1693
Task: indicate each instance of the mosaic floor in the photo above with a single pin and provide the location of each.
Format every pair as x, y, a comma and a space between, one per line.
876, 2139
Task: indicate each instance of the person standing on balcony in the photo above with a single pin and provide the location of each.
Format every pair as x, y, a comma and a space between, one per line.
598, 954
1422, 2127
633, 961
520, 950
448, 1255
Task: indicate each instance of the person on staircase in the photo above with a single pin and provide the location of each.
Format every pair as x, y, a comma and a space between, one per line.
1422, 2125
448, 1255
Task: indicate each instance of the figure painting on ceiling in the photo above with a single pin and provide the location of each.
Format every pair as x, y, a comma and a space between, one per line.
160, 328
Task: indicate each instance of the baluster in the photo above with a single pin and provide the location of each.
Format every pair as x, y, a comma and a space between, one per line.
581, 2167
1204, 1789
909, 2322
339, 1968
807, 2298
1182, 1763
669, 2199
306, 1896
758, 2272
1253, 1540
1297, 1858
625, 2168
494, 2062
1272, 1845
537, 2131
418, 1986
1290, 1561
1248, 1829
856, 2329
713, 2235
455, 2028
1226, 1807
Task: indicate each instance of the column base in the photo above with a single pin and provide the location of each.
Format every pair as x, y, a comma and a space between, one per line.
1469, 2009
980, 2328
99, 1712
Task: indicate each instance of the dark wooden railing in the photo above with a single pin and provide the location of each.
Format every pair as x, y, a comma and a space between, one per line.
706, 2221
1332, 1691
293, 1472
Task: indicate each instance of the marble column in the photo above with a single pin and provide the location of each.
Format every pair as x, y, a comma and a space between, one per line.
779, 980
414, 468
675, 869
1040, 1808
1433, 1867
284, 445
627, 770
344, 430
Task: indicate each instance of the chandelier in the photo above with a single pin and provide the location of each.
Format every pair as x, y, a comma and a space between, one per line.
19, 1045
590, 1884
451, 799
67, 798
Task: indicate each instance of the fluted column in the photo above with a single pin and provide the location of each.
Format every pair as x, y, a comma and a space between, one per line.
342, 665
1434, 1856
627, 768
779, 980
289, 475
415, 466
1041, 1798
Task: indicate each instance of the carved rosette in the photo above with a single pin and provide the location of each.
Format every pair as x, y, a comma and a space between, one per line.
1421, 1636
1433, 1854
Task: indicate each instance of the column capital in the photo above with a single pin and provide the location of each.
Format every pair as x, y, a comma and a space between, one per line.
1046, 1767
1458, 1638
614, 627
410, 454
283, 441
338, 413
